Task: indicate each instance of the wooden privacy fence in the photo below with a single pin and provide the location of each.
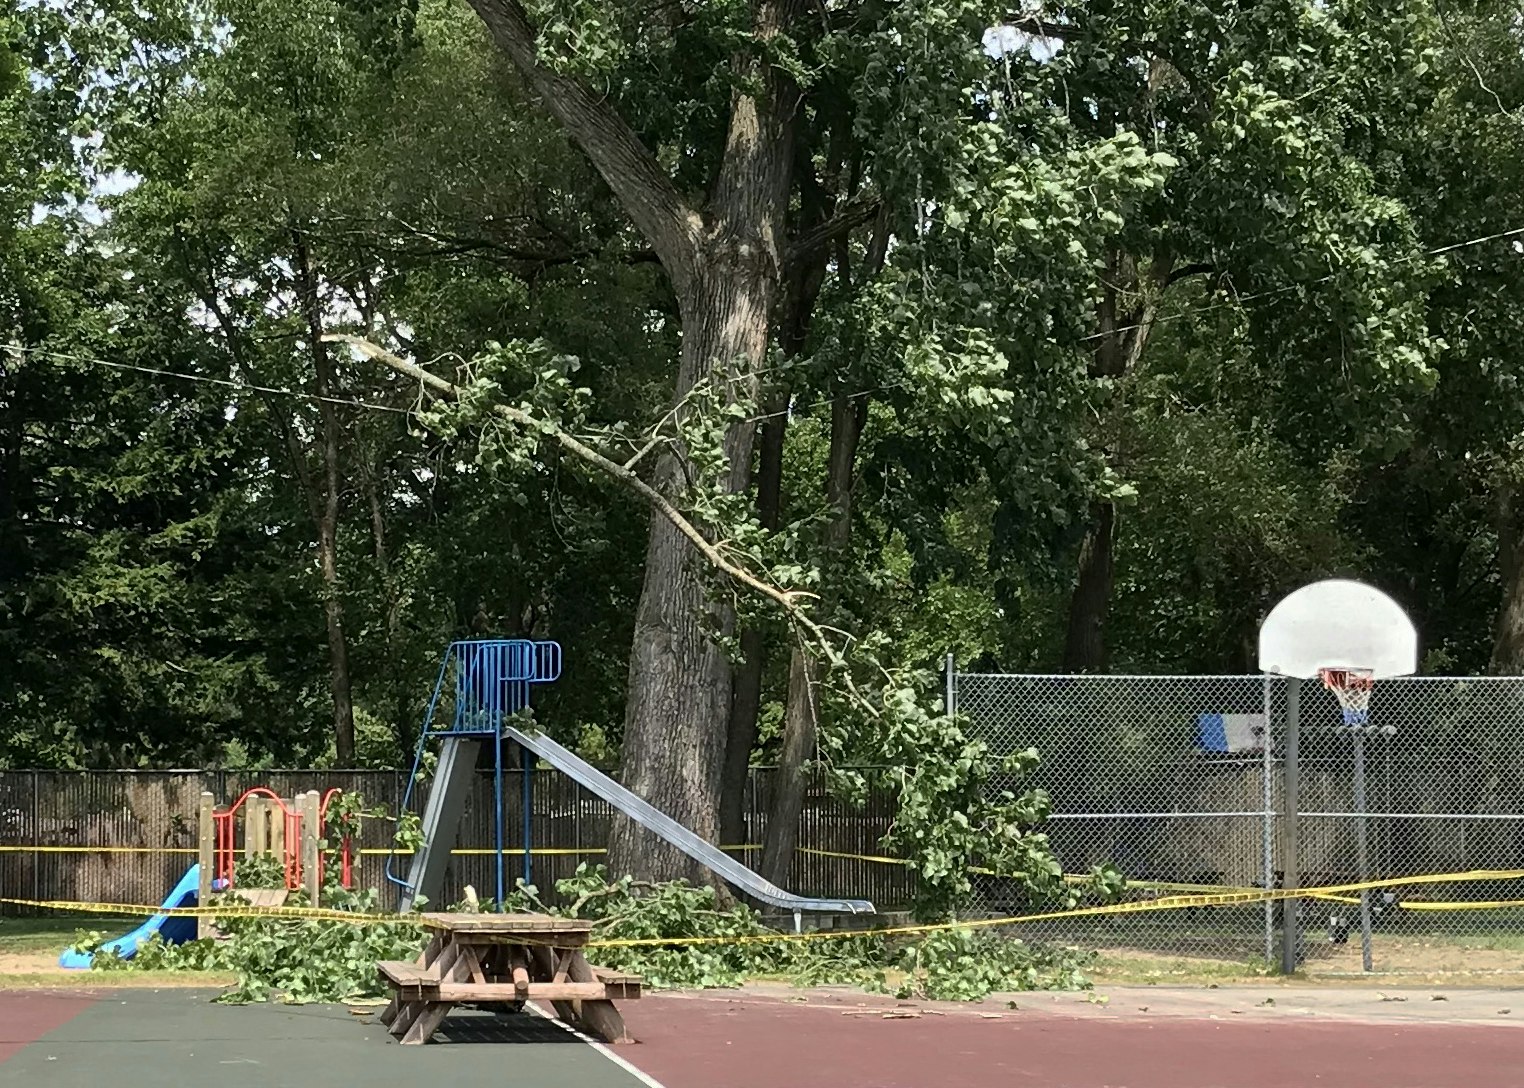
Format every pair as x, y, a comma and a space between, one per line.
128, 836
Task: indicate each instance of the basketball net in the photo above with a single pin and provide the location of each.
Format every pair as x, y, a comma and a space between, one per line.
1352, 687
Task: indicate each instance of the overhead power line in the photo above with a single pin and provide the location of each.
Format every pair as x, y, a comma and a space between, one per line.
301, 394
207, 379
1273, 292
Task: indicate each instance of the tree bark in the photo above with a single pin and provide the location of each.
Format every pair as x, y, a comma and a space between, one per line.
1508, 635
801, 713
1085, 643
402, 726
12, 428
678, 699
327, 508
322, 507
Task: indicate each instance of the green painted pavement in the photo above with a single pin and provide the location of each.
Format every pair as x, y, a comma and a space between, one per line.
175, 1038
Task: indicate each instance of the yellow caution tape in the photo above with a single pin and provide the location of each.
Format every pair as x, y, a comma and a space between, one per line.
1487, 904
1217, 894
1213, 889
1177, 902
518, 851
231, 910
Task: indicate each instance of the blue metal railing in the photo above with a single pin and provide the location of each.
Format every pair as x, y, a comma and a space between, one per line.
492, 681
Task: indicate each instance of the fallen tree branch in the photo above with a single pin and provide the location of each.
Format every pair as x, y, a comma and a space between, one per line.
786, 599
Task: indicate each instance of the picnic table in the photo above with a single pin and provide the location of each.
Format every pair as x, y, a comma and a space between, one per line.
504, 960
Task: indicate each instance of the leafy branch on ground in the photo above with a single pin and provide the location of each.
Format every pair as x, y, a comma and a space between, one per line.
306, 960
954, 964
300, 959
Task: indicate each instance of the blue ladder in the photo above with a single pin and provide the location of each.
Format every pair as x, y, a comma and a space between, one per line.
490, 681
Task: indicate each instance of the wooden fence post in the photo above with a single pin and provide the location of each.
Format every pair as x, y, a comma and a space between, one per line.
277, 845
312, 833
206, 858
253, 808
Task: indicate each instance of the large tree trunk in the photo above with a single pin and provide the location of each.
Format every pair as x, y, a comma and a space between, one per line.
801, 713
327, 510
1508, 635
801, 724
678, 700
391, 601
724, 264
1085, 643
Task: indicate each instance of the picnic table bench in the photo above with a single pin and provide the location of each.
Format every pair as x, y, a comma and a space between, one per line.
504, 959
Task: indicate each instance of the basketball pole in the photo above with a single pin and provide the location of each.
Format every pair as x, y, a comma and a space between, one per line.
1362, 859
1291, 878
1267, 802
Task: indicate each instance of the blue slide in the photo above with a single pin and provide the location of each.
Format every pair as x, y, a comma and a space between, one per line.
172, 928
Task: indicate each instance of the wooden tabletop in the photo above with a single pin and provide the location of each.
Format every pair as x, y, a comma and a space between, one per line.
505, 924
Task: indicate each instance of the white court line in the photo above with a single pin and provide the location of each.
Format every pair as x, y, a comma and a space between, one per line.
644, 1078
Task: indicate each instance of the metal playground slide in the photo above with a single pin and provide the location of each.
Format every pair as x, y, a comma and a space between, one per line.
659, 823
483, 685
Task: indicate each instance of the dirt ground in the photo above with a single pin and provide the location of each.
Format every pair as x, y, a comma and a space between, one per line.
1419, 955
40, 970
29, 963
1398, 960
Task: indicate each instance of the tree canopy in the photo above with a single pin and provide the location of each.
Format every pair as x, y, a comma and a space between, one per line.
777, 350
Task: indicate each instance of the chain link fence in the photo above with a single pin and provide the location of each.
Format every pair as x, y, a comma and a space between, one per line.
1168, 778
1171, 779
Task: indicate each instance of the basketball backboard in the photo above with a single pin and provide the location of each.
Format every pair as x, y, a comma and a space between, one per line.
1338, 624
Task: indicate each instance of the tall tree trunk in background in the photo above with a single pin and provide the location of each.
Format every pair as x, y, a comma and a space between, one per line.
1122, 336
11, 430
402, 725
1085, 642
327, 508
746, 700
801, 713
1508, 635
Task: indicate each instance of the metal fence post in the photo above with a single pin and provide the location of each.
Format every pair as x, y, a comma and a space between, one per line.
950, 699
1291, 785
36, 823
1267, 828
527, 762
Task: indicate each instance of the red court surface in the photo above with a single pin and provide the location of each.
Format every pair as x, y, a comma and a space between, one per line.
705, 1043
138, 1039
25, 1017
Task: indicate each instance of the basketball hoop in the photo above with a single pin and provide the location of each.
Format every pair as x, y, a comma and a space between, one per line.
1352, 687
